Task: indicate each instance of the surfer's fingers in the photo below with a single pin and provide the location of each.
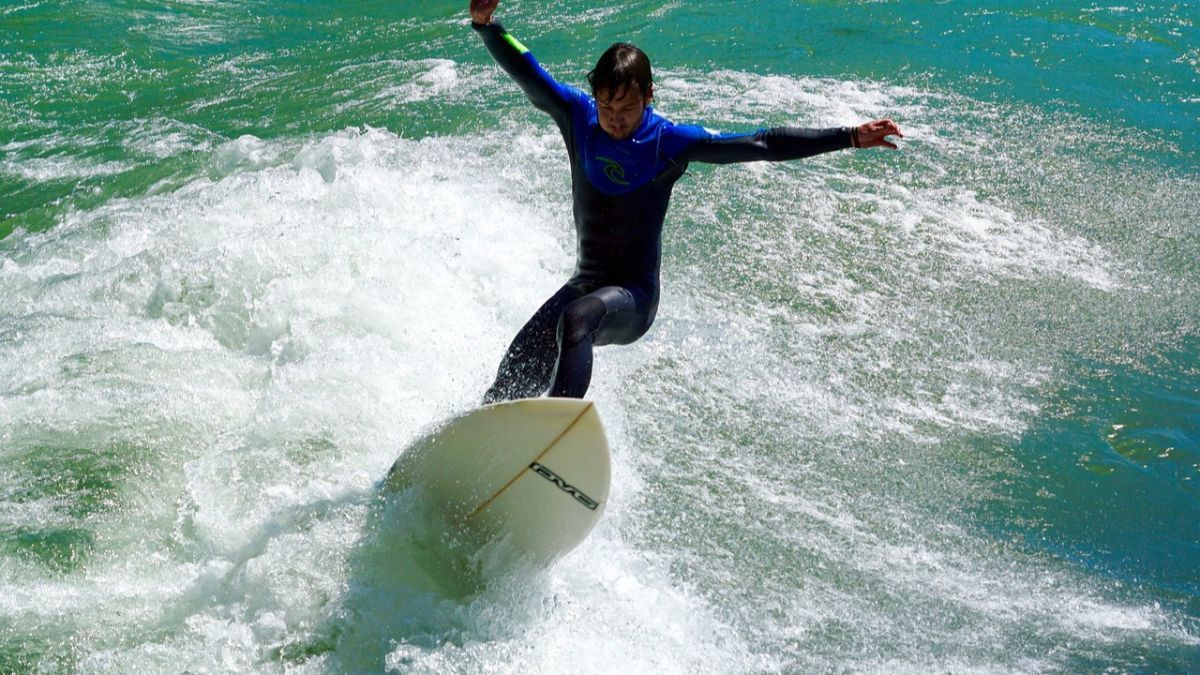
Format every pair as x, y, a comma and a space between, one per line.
881, 129
887, 126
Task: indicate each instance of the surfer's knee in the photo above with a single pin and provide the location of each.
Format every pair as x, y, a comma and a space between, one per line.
579, 321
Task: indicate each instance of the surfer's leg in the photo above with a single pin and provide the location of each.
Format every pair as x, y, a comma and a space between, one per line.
528, 365
610, 315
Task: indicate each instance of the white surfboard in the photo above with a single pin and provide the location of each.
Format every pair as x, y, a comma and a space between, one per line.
523, 479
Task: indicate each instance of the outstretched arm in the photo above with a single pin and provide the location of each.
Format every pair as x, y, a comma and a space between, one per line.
542, 90
785, 143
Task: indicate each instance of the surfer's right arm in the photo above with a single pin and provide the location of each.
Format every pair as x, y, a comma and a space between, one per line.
515, 58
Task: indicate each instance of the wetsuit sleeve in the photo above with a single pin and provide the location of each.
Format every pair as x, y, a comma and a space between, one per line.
773, 145
543, 91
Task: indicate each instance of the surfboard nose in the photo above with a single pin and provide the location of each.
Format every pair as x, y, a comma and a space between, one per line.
533, 474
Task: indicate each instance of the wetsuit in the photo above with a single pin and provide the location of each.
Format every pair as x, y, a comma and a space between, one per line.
620, 189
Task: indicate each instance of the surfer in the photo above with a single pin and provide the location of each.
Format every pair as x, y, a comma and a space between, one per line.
625, 159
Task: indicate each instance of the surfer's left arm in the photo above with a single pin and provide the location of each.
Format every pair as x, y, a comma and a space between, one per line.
783, 143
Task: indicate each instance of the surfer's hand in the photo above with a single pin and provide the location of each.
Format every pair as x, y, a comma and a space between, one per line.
874, 134
481, 10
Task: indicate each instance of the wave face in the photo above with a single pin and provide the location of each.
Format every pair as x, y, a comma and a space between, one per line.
930, 410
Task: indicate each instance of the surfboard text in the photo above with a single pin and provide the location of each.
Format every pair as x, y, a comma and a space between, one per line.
565, 486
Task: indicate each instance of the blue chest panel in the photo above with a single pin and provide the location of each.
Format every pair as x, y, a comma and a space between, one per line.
618, 167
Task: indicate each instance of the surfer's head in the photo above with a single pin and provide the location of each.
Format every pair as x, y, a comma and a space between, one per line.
623, 87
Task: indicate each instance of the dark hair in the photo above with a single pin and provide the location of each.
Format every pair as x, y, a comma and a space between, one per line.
620, 66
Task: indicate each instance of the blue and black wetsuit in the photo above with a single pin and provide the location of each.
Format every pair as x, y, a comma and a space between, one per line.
621, 189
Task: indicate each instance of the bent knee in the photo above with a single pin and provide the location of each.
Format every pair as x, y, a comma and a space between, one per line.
579, 321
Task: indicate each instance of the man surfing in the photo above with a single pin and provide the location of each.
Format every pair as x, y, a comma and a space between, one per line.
625, 159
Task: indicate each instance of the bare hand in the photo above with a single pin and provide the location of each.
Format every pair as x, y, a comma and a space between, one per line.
481, 10
874, 134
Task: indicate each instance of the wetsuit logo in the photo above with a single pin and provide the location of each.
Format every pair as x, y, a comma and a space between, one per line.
614, 171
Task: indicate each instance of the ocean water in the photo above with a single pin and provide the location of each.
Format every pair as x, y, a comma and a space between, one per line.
926, 411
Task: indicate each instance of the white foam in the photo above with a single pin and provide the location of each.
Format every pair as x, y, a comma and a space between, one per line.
771, 100
272, 337
262, 341
19, 8
434, 78
45, 169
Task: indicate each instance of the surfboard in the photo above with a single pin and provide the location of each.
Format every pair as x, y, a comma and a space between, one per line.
518, 483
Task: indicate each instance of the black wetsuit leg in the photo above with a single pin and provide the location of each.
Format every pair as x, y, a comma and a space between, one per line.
609, 315
527, 368
554, 349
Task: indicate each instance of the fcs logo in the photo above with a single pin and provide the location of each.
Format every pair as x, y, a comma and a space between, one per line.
614, 171
564, 486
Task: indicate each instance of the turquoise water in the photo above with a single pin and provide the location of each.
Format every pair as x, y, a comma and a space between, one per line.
935, 410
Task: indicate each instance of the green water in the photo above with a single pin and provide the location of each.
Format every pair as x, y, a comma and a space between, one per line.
934, 410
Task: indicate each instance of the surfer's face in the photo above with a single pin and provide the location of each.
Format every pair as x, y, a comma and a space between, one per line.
620, 114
